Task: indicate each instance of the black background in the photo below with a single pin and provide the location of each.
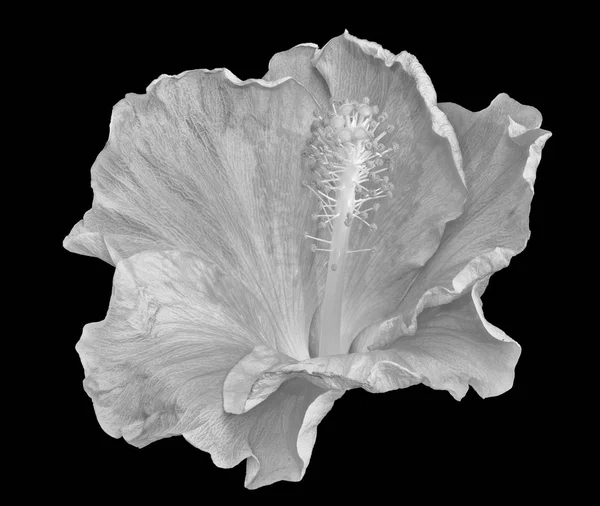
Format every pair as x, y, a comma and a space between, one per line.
415, 440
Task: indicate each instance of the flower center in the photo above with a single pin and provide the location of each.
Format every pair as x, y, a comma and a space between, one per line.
347, 157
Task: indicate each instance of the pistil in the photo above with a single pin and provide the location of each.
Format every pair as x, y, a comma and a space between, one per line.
343, 154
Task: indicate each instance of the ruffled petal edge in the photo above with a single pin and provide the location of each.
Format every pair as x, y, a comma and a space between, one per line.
440, 123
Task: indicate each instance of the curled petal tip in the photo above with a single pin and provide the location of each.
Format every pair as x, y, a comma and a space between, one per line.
534, 158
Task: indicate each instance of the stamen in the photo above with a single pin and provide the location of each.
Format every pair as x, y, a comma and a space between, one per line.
306, 236
372, 226
327, 196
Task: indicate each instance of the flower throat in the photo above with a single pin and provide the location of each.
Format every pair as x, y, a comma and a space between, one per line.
346, 157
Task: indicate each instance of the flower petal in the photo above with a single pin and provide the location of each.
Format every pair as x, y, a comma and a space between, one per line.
427, 176
296, 63
209, 164
454, 347
155, 368
501, 148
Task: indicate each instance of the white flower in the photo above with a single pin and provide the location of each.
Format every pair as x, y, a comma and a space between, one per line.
214, 198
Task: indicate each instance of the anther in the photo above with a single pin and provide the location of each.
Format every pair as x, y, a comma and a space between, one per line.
365, 111
345, 135
360, 133
346, 109
337, 122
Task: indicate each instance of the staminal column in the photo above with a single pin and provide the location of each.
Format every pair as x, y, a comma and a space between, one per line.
331, 306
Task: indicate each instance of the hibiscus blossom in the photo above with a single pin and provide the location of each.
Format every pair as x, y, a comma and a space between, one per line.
279, 241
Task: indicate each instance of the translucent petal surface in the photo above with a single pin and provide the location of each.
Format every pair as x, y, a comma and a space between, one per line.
296, 63
501, 148
156, 365
208, 164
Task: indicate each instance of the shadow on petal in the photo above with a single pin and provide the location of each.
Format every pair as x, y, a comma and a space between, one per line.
454, 347
284, 431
